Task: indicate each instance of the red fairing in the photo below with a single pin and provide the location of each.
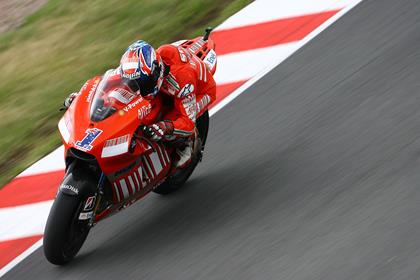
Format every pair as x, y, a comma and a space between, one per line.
106, 132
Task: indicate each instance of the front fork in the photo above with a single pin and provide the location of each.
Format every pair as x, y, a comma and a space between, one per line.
99, 196
92, 203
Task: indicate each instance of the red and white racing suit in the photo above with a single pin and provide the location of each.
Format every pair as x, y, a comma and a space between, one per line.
189, 84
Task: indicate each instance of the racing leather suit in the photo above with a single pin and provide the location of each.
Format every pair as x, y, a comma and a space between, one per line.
189, 84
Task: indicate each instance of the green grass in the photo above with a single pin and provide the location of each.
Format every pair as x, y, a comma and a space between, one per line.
66, 42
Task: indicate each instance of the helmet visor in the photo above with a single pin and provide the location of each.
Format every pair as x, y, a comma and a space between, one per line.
145, 86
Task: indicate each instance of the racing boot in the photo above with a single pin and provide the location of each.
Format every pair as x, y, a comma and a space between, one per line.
184, 154
185, 151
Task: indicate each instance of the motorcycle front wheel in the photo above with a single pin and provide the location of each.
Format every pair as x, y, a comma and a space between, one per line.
64, 233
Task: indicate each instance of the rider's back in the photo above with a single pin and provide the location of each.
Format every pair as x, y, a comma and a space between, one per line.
188, 73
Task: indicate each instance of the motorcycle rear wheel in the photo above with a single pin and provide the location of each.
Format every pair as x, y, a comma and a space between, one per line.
64, 233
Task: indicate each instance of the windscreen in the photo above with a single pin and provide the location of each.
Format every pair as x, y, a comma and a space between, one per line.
111, 95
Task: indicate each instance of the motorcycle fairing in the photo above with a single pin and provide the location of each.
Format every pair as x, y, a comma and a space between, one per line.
141, 176
109, 139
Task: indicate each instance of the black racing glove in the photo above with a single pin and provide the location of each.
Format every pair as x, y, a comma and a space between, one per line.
157, 131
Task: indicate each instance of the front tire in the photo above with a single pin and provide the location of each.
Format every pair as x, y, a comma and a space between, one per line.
64, 232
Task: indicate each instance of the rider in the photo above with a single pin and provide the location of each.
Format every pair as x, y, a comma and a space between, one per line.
174, 76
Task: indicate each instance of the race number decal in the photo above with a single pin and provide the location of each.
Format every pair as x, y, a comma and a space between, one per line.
91, 135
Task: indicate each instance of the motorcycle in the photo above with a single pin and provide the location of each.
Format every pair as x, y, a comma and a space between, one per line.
109, 163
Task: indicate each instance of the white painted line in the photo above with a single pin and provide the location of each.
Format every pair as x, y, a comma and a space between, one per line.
240, 66
23, 221
21, 257
52, 162
261, 11
279, 60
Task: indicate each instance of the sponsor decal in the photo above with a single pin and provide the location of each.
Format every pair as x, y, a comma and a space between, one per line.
70, 188
90, 137
117, 141
139, 176
186, 90
182, 55
122, 95
203, 103
132, 76
144, 111
116, 146
211, 59
190, 106
132, 105
197, 45
86, 215
92, 90
90, 203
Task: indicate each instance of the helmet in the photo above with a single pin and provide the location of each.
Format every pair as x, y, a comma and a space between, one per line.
141, 68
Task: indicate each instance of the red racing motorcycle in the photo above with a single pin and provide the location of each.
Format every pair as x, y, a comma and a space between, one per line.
109, 164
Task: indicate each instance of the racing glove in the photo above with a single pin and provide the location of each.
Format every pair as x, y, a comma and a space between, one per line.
157, 131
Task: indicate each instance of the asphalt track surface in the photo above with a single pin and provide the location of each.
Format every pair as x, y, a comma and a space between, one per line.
313, 173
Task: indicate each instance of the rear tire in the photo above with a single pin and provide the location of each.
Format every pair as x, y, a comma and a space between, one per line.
178, 179
64, 233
